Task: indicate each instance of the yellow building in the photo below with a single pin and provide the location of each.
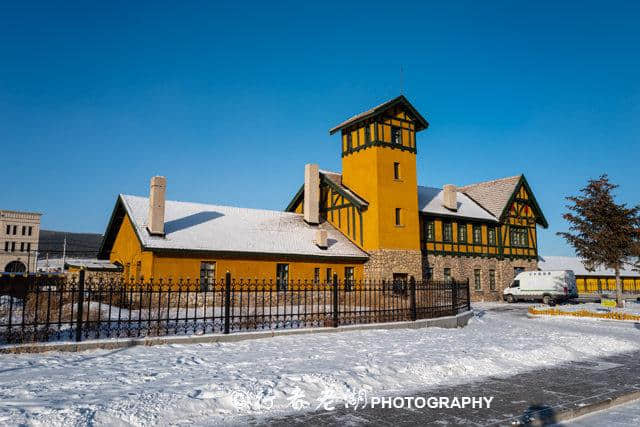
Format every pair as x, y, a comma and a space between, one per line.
371, 221
201, 242
600, 280
485, 232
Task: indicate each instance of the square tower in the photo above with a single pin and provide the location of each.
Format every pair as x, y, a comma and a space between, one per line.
379, 164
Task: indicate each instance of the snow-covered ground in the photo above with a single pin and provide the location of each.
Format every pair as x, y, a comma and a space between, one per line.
216, 383
623, 415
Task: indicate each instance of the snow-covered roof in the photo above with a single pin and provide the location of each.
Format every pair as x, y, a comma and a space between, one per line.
204, 227
494, 194
430, 200
55, 264
51, 264
547, 263
336, 178
91, 264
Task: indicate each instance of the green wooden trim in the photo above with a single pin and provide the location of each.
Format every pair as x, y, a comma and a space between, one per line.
337, 207
294, 202
477, 255
117, 216
361, 232
380, 144
338, 189
420, 121
537, 211
449, 217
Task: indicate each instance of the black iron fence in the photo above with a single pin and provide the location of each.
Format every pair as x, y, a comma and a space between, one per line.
44, 308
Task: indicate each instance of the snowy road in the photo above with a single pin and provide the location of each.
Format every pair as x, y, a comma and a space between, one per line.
176, 384
618, 416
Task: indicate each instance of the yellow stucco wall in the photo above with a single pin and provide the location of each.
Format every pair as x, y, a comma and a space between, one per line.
345, 218
127, 251
370, 173
185, 266
589, 284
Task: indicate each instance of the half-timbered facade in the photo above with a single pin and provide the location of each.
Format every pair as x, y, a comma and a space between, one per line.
486, 232
371, 221
488, 238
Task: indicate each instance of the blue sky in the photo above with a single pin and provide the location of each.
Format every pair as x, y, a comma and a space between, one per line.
230, 101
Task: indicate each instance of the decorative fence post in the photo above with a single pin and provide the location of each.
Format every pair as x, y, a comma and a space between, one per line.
454, 296
412, 298
468, 296
336, 320
227, 302
79, 311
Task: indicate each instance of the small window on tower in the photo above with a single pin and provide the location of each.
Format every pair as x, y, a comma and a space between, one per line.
396, 170
398, 216
367, 134
349, 141
396, 135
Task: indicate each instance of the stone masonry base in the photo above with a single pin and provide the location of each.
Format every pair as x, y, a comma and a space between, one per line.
383, 263
463, 268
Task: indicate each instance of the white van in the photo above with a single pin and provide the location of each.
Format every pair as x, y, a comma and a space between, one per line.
546, 286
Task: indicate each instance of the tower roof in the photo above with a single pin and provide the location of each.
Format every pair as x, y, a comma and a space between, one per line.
421, 122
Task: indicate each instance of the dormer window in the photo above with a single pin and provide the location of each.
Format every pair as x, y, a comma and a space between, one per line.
396, 135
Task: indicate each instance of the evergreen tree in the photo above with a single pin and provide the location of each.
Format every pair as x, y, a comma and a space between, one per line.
603, 233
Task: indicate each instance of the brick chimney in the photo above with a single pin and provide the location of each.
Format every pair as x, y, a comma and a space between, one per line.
311, 207
449, 197
155, 222
321, 239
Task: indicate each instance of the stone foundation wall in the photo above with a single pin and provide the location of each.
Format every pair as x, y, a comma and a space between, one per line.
384, 262
463, 267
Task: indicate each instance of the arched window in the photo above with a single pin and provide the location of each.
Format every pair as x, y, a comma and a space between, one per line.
15, 267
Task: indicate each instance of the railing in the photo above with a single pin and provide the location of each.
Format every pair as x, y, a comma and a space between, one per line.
48, 309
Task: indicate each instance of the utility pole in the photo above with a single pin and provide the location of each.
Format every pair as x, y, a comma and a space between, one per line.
64, 252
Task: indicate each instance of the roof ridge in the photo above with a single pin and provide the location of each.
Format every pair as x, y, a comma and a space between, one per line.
219, 206
491, 181
328, 171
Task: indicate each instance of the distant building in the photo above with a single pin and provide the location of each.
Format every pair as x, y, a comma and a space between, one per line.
95, 269
52, 244
19, 233
599, 280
